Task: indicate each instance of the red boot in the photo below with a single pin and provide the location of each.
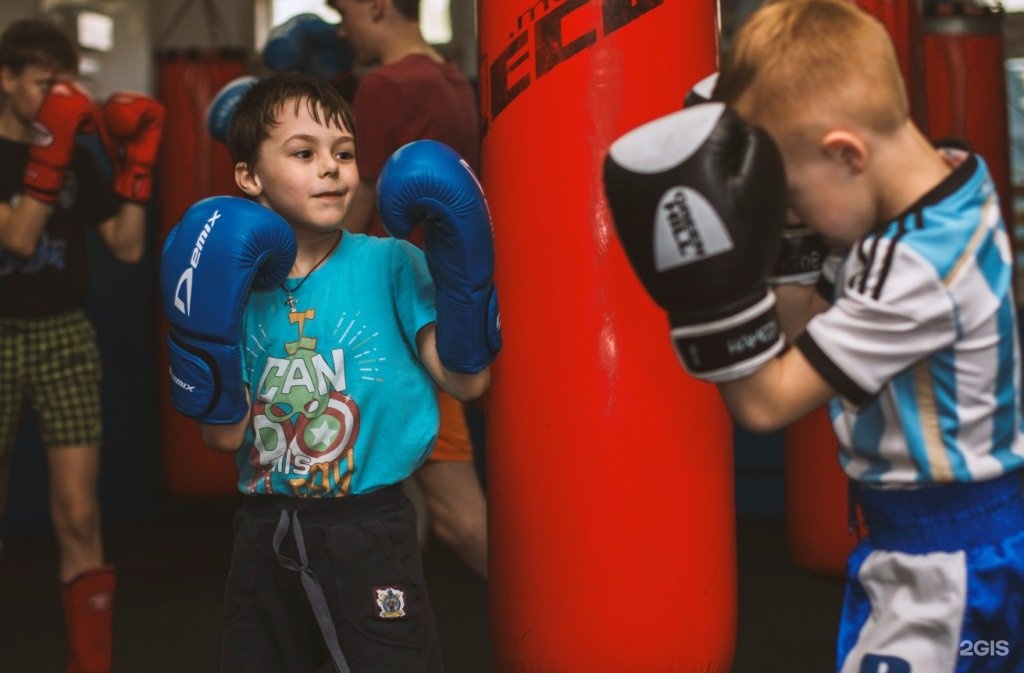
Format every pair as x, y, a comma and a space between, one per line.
88, 610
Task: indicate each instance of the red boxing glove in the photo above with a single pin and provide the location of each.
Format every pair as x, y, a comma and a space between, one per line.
66, 111
132, 125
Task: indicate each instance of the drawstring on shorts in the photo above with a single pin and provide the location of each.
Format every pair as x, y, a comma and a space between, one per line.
314, 592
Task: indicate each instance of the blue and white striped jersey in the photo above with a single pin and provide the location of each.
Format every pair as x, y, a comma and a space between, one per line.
921, 342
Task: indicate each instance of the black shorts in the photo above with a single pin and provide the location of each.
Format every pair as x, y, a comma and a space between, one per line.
362, 552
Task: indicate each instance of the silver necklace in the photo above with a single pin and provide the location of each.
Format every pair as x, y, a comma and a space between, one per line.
290, 301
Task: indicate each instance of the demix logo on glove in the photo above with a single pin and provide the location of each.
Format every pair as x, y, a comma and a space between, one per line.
687, 229
185, 280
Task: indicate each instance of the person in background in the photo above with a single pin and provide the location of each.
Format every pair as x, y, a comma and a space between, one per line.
51, 192
411, 93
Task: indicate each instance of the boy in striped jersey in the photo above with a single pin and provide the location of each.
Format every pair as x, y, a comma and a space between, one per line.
916, 348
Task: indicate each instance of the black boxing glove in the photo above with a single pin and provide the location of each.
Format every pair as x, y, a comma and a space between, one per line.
701, 91
698, 198
826, 281
802, 252
802, 249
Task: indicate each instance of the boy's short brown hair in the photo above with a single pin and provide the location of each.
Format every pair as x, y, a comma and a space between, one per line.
815, 61
410, 9
259, 107
37, 42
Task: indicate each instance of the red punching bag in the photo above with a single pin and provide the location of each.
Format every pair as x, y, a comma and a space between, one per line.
951, 54
902, 18
610, 477
965, 84
192, 167
818, 532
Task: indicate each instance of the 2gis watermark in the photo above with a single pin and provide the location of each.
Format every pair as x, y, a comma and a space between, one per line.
984, 648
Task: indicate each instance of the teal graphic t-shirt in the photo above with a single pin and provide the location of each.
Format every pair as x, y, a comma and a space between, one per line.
341, 403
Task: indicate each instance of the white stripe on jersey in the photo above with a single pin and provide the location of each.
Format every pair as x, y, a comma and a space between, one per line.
922, 345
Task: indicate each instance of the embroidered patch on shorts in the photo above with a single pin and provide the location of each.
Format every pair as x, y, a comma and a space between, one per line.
390, 603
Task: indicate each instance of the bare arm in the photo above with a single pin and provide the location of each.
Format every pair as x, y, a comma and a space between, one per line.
463, 387
785, 389
226, 438
125, 233
364, 203
22, 226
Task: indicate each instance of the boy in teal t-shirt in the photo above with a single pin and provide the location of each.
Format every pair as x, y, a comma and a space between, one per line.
338, 381
328, 400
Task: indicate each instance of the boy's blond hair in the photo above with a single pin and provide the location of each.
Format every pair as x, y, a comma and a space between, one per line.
806, 64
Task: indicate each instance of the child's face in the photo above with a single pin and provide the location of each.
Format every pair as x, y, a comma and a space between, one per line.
24, 92
825, 191
825, 196
356, 22
306, 171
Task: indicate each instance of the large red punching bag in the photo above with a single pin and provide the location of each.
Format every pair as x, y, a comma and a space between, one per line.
610, 478
818, 531
951, 54
965, 84
192, 166
902, 18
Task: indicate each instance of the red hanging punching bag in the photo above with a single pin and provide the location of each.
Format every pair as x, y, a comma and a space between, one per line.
818, 532
951, 54
903, 20
610, 478
965, 84
192, 167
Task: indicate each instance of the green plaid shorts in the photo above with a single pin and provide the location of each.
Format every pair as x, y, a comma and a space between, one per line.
53, 364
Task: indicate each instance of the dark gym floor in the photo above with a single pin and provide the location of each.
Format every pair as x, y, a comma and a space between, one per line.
172, 571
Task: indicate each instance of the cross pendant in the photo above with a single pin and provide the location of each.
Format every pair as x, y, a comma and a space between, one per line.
290, 302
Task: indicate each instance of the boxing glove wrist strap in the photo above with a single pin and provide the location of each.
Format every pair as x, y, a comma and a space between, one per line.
468, 329
43, 182
826, 285
206, 380
800, 256
731, 347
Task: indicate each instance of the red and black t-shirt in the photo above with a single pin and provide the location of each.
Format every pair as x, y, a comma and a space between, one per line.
55, 279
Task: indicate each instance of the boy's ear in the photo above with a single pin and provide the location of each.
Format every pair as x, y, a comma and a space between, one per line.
377, 9
846, 148
247, 180
6, 78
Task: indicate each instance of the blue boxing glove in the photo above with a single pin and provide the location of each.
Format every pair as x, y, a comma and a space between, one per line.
221, 110
308, 44
221, 249
427, 181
